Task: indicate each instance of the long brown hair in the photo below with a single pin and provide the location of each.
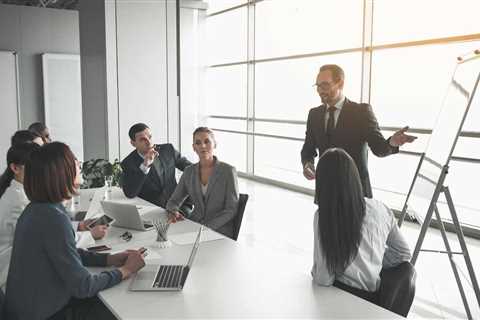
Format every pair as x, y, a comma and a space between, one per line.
341, 208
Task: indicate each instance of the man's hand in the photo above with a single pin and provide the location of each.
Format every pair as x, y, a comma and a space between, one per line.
399, 138
150, 156
309, 171
175, 216
133, 263
98, 232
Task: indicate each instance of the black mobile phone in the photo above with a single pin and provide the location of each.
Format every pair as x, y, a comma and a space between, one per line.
103, 220
99, 248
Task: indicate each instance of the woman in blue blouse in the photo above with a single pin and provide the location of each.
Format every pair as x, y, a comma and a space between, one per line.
47, 274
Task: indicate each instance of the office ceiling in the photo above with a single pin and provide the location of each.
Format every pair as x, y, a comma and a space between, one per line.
57, 4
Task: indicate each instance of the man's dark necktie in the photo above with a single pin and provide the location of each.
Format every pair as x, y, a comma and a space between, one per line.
330, 125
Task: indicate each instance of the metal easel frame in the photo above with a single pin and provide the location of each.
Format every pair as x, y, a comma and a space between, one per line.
440, 188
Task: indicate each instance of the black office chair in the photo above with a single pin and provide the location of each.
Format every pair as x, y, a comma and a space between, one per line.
2, 303
237, 221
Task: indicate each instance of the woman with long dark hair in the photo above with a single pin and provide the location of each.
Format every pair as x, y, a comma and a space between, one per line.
358, 246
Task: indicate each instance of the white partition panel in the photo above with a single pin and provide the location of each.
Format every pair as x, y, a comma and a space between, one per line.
63, 99
141, 68
8, 102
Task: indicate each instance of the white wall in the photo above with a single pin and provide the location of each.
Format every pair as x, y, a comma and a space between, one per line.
8, 101
192, 75
31, 31
129, 52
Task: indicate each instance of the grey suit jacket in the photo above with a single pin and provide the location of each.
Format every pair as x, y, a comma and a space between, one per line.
218, 207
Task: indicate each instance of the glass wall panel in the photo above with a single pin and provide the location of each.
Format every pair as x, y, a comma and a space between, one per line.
226, 36
409, 84
410, 20
281, 129
227, 124
467, 147
232, 149
393, 173
284, 89
227, 91
461, 180
219, 5
280, 160
284, 27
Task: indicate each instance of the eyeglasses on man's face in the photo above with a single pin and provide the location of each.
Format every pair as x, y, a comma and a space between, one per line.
325, 85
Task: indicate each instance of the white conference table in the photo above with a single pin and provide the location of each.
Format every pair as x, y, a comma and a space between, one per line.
232, 280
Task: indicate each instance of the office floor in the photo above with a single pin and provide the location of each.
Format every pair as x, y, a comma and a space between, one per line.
283, 220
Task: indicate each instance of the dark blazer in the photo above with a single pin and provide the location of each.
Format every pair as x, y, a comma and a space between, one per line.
158, 185
218, 207
46, 269
356, 127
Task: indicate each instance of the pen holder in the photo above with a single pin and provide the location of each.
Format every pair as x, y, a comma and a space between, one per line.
162, 233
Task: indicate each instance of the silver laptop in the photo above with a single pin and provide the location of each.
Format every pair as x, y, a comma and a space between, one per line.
165, 277
126, 215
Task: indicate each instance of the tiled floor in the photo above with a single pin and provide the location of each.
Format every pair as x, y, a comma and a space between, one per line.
284, 218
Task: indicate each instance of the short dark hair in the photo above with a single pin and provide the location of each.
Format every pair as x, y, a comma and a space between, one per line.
37, 127
50, 174
136, 128
341, 208
23, 136
337, 72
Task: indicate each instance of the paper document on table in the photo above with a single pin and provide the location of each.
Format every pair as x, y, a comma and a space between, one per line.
189, 237
95, 207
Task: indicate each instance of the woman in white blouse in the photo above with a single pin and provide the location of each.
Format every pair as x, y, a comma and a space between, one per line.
12, 200
12, 196
358, 246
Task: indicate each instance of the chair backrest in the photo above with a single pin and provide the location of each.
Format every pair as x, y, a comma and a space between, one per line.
2, 304
237, 221
4, 263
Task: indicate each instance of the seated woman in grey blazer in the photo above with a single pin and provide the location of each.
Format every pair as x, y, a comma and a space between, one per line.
212, 186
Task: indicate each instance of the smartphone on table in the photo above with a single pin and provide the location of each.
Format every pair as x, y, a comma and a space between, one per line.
99, 248
103, 220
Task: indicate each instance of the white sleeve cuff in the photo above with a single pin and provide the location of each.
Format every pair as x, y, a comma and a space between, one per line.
144, 168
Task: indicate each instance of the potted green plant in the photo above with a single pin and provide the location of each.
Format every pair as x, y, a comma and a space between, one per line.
96, 172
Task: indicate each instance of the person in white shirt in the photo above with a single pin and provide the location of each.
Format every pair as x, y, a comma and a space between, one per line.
358, 246
13, 201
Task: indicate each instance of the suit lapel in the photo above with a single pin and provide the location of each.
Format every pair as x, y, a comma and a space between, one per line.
158, 164
321, 136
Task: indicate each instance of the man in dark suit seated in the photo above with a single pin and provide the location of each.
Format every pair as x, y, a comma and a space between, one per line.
345, 124
149, 170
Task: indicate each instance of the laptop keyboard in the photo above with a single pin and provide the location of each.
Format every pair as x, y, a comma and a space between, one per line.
168, 277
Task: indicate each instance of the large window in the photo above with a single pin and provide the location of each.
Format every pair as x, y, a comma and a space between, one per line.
263, 57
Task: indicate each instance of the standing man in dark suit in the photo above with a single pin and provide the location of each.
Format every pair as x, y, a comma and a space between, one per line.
149, 170
345, 124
